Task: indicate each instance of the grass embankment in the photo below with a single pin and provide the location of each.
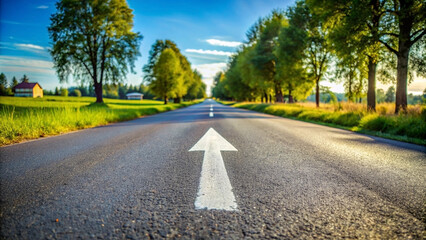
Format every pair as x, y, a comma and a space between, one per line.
29, 118
409, 128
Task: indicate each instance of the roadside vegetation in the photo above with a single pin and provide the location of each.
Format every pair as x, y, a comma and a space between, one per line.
409, 127
28, 118
288, 54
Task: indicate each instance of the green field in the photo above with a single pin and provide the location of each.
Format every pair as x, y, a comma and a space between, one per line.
30, 118
410, 127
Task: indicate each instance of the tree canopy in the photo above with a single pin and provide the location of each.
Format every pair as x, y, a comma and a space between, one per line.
93, 41
184, 83
291, 52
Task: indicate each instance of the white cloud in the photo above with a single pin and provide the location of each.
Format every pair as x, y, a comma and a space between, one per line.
26, 65
211, 52
208, 71
43, 7
217, 42
29, 46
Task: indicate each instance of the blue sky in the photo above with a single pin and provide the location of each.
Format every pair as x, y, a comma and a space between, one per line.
206, 31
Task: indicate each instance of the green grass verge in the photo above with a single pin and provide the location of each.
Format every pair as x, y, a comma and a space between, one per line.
408, 128
28, 118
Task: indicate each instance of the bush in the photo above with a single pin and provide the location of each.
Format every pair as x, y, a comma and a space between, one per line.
64, 92
374, 122
75, 93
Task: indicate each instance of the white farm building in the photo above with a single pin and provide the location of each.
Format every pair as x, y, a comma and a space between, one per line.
134, 96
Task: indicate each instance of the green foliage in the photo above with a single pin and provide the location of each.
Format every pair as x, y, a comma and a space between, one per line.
75, 93
3, 80
390, 94
64, 92
167, 74
280, 55
93, 40
14, 82
380, 96
265, 59
27, 118
183, 80
288, 54
25, 79
196, 89
4, 90
291, 54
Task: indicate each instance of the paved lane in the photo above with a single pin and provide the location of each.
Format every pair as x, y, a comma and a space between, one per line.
138, 179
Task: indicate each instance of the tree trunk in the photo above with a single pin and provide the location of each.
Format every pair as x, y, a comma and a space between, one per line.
401, 78
371, 94
350, 94
290, 97
98, 92
317, 93
278, 94
177, 100
401, 82
165, 99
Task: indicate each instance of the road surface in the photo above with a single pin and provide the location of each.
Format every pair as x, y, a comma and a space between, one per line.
248, 175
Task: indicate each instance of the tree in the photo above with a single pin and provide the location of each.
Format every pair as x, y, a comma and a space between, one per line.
291, 51
83, 90
76, 93
380, 94
25, 79
64, 92
167, 75
3, 80
265, 59
195, 87
404, 25
3, 85
14, 82
218, 89
93, 40
186, 72
251, 79
202, 91
390, 94
187, 75
354, 34
318, 51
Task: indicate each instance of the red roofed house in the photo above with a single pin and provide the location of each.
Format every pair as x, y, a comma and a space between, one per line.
25, 89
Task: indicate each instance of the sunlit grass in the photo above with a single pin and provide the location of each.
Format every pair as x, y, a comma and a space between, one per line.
409, 127
28, 118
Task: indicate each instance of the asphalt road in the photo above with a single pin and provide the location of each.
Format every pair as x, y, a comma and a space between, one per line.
138, 179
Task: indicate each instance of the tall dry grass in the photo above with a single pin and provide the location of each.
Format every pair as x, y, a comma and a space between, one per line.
354, 116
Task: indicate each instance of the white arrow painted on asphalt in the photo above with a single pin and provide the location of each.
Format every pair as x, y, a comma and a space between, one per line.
215, 190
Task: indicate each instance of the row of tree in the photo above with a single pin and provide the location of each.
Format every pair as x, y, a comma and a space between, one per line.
6, 89
382, 96
109, 90
169, 74
287, 54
